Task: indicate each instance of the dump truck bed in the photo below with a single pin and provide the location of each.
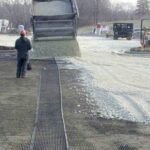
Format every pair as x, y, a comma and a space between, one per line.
52, 8
55, 18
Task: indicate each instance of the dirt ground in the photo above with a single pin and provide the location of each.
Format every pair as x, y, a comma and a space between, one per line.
89, 132
85, 131
18, 99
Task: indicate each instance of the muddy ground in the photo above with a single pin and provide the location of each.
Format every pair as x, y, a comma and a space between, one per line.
89, 132
85, 131
18, 99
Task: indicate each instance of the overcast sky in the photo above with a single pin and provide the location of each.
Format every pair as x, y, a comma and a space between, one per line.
129, 1
114, 1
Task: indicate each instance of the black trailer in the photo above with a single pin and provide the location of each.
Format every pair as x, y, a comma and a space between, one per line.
123, 30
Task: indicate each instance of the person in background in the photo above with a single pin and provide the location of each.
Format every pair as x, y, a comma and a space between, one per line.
22, 45
22, 28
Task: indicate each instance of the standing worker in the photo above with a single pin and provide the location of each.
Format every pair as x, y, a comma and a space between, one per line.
22, 46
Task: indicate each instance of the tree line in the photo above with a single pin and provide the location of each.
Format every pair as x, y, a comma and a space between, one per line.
16, 11
91, 11
143, 7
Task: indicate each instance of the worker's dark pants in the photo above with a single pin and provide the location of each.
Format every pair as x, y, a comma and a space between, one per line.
21, 67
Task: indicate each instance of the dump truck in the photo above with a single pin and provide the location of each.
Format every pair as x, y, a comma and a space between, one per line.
145, 33
54, 19
123, 30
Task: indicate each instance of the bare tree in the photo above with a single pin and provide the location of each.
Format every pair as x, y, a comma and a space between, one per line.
142, 7
16, 12
91, 11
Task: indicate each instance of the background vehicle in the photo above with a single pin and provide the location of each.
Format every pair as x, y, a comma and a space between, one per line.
123, 30
137, 33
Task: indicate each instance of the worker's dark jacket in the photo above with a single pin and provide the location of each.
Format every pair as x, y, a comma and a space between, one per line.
22, 46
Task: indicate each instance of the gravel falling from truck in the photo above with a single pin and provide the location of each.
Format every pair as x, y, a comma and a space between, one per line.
48, 49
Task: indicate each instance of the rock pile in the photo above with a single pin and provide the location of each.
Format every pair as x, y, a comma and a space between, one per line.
52, 8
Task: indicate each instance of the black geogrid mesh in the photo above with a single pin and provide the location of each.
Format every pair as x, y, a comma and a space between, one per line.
49, 134
7, 54
48, 131
125, 147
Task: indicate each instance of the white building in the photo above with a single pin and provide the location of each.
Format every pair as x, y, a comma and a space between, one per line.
4, 25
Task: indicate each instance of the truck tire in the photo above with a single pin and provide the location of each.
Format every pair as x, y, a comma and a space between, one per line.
129, 38
115, 38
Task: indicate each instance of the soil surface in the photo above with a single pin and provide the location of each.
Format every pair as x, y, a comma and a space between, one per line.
86, 130
90, 132
18, 98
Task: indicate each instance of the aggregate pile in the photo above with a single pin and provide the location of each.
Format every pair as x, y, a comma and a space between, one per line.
49, 8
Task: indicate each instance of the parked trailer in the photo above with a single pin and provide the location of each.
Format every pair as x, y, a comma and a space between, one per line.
55, 18
123, 30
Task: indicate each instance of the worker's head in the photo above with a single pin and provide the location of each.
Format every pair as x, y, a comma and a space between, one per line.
22, 33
